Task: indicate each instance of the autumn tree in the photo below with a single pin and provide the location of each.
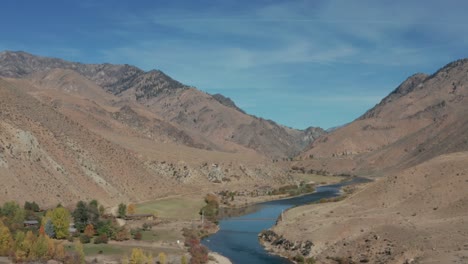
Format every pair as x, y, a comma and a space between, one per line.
162, 258
183, 260
6, 240
51, 248
79, 251
139, 257
60, 218
60, 253
39, 249
89, 231
28, 243
42, 230
131, 209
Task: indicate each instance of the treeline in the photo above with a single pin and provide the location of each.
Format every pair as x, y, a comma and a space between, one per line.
30, 234
33, 240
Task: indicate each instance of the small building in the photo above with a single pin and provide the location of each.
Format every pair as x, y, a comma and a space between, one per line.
31, 223
72, 229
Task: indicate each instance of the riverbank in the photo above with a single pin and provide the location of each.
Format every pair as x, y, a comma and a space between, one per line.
300, 250
216, 258
237, 238
316, 180
418, 215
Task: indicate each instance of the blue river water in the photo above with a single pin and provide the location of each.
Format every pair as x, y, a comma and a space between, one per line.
237, 238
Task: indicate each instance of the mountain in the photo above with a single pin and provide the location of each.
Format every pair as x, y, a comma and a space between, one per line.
414, 144
424, 117
57, 145
214, 120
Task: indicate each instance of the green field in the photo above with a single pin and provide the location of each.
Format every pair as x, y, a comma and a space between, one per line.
182, 208
93, 249
158, 235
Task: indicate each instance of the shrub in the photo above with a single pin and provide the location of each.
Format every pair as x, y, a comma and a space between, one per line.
101, 239
84, 239
138, 235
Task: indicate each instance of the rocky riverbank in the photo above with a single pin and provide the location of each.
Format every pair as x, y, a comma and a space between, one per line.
294, 250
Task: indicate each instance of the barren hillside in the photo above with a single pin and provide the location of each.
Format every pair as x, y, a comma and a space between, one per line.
54, 153
211, 122
424, 117
418, 214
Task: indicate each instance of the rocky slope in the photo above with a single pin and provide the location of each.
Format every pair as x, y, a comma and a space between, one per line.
215, 120
56, 146
424, 117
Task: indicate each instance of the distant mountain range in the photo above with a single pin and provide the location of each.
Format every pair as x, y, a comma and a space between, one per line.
214, 118
74, 131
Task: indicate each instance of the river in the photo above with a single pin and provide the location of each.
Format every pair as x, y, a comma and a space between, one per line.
237, 238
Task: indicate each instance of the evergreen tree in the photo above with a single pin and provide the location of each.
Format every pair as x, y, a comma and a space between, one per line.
49, 228
122, 210
80, 216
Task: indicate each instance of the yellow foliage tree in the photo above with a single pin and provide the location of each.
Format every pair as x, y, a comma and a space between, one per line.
131, 209
39, 249
6, 240
60, 218
139, 257
60, 253
80, 252
28, 243
50, 248
162, 258
20, 252
183, 260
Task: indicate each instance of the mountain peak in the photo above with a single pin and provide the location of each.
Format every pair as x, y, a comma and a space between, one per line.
226, 101
115, 78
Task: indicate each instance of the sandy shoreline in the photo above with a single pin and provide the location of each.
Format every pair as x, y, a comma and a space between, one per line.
218, 258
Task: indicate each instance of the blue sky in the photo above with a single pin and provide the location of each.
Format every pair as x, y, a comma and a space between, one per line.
300, 63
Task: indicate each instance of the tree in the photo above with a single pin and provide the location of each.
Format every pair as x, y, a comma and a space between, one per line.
183, 260
139, 257
51, 248
162, 258
101, 210
33, 206
14, 215
60, 218
93, 203
122, 210
60, 253
39, 249
20, 252
49, 228
93, 213
198, 252
6, 240
89, 231
28, 243
80, 216
79, 251
131, 209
